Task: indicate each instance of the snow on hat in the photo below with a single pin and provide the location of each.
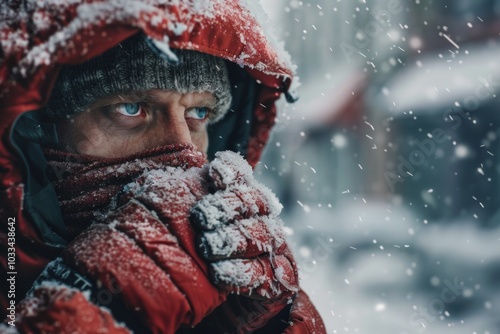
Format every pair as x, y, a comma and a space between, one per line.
134, 65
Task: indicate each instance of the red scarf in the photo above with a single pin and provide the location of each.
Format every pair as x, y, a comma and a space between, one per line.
86, 184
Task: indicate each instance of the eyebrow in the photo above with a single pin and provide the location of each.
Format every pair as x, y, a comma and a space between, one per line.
119, 98
143, 96
209, 102
135, 95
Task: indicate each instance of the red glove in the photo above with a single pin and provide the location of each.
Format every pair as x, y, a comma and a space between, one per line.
145, 251
141, 252
242, 237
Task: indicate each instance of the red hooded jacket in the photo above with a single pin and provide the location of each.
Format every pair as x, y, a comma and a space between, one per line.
38, 38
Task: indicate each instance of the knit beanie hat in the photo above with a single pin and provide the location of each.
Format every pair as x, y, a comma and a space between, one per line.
135, 65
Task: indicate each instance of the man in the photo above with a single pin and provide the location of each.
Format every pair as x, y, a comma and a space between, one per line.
122, 223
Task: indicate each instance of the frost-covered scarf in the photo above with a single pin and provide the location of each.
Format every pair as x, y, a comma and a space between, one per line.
85, 184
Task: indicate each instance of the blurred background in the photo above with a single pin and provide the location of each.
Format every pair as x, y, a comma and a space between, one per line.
388, 165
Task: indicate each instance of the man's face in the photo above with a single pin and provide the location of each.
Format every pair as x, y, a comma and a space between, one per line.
124, 124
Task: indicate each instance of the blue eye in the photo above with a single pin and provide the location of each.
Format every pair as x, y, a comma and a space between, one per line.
129, 109
198, 113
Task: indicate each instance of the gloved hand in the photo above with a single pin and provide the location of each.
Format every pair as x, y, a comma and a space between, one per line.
242, 237
142, 250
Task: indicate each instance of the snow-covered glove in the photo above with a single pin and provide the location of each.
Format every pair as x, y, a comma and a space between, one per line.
145, 249
241, 234
242, 237
141, 252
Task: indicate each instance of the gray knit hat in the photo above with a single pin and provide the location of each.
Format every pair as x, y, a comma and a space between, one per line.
134, 65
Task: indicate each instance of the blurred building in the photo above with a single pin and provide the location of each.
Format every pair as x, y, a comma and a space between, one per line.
440, 127
377, 78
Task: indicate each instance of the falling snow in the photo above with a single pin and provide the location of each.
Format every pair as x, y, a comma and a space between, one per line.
397, 116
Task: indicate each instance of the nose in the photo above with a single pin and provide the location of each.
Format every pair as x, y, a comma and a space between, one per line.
173, 128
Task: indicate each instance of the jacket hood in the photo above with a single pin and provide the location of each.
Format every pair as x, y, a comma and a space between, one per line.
38, 37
